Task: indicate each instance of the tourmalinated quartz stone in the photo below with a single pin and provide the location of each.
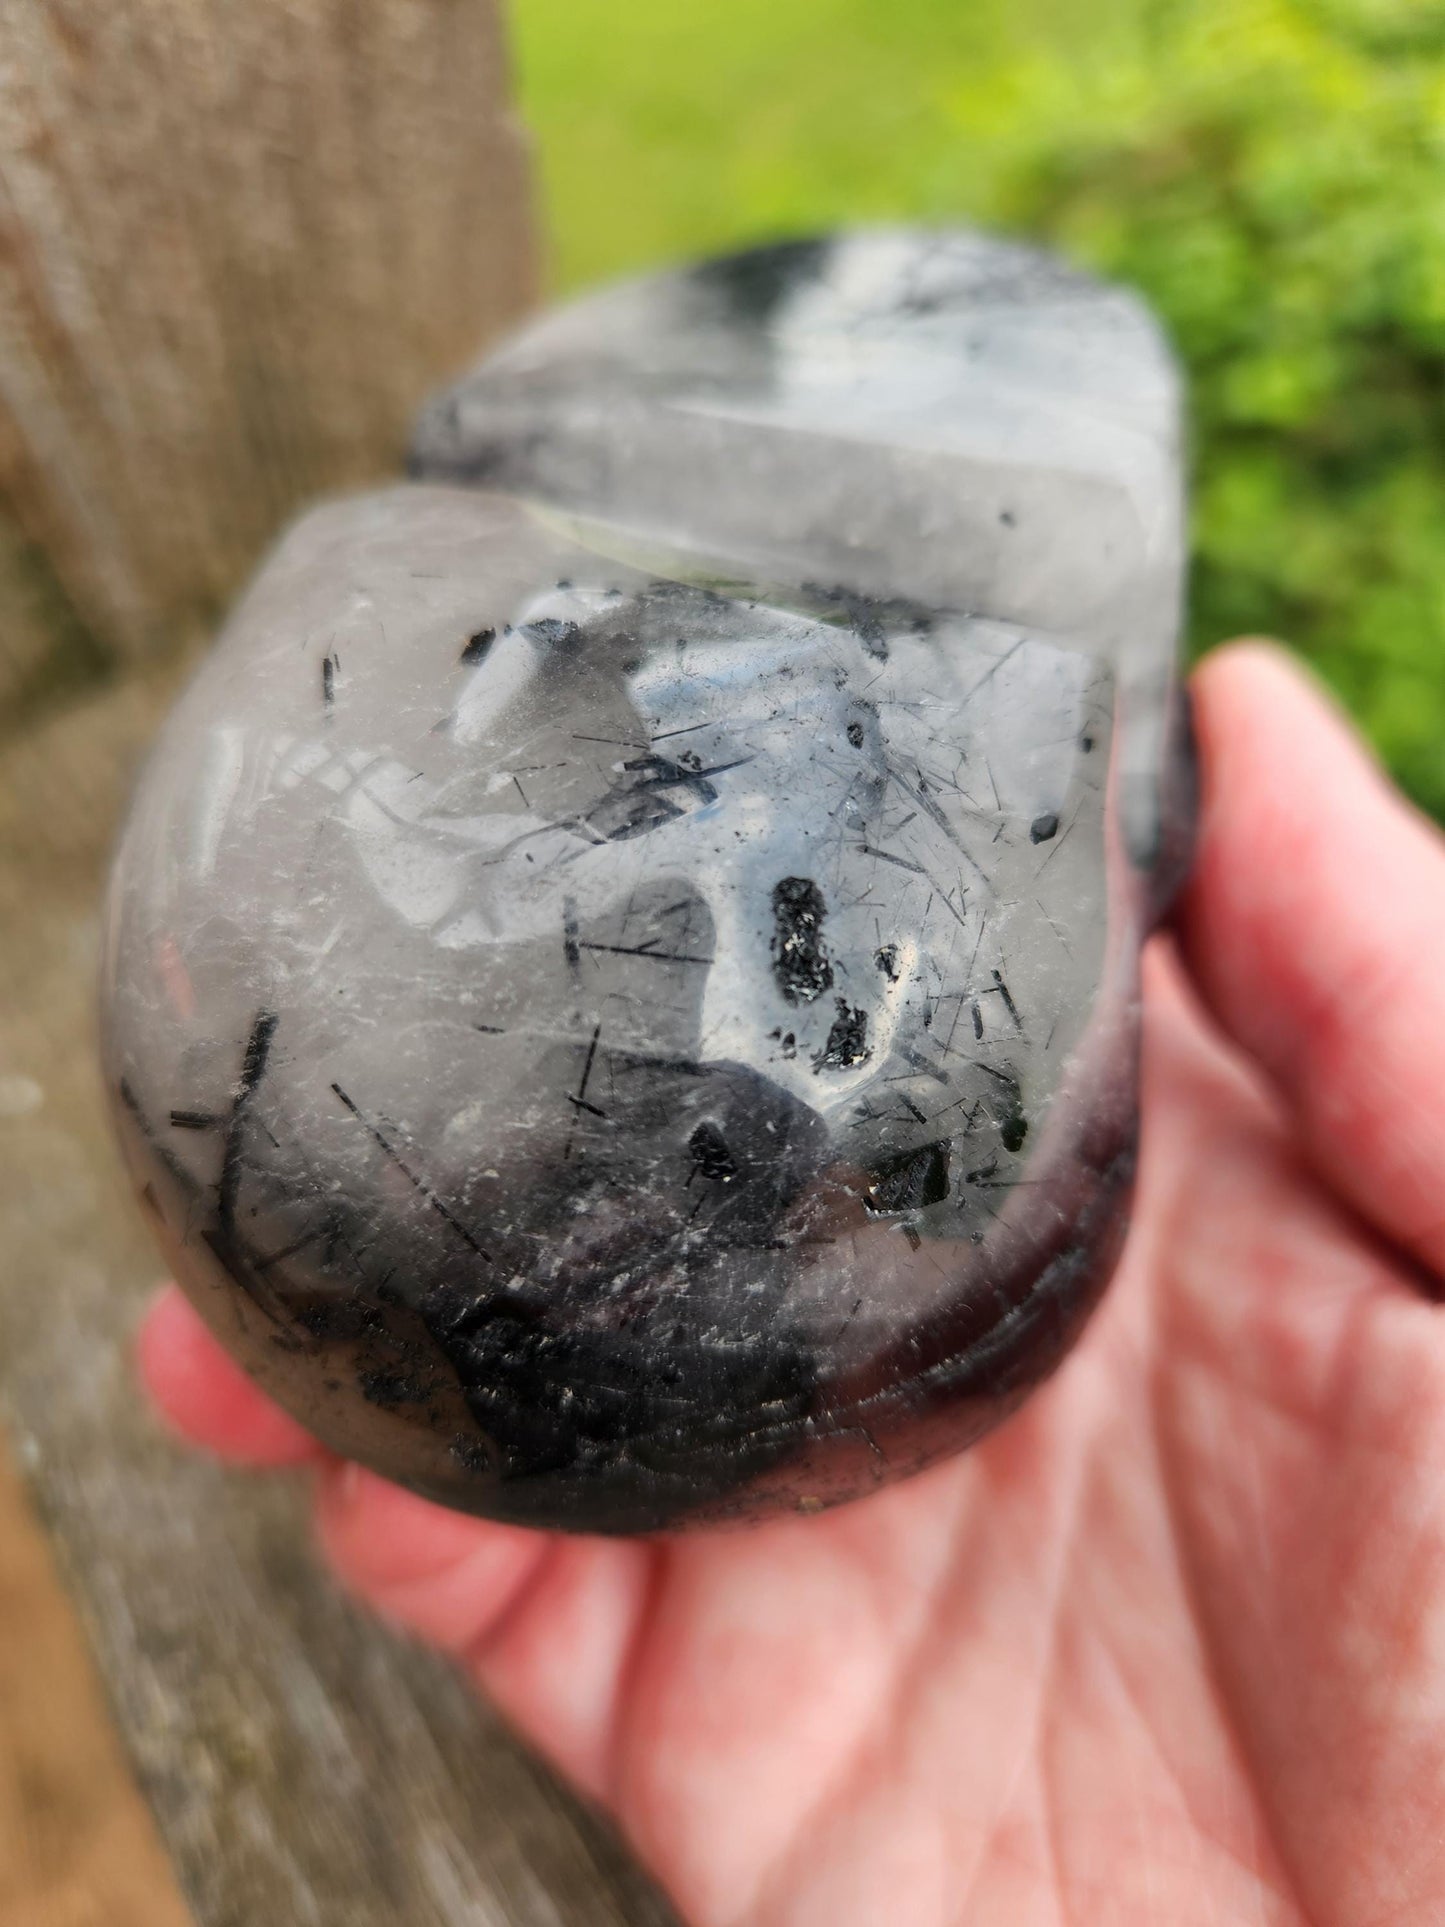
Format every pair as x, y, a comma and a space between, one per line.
622, 972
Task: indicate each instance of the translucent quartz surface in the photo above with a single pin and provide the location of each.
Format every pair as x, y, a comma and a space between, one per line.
621, 985
945, 420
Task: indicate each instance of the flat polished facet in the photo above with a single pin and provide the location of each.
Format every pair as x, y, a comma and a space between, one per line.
622, 976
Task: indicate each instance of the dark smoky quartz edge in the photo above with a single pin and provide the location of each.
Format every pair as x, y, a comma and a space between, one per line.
621, 978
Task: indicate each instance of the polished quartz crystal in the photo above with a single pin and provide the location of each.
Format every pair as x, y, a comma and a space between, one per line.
622, 978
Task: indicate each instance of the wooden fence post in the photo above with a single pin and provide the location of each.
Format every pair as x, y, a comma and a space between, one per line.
239, 240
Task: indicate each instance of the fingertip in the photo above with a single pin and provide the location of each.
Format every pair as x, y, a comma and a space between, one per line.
203, 1395
1263, 648
1311, 925
444, 1575
1252, 676
1302, 852
1277, 747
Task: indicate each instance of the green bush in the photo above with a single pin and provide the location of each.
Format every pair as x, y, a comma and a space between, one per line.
1270, 172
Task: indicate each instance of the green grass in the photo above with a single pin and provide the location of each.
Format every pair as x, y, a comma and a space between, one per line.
1271, 173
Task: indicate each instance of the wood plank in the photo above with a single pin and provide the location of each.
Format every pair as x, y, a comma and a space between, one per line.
305, 1766
238, 244
77, 1846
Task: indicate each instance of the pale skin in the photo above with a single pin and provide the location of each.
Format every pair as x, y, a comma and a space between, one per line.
1169, 1647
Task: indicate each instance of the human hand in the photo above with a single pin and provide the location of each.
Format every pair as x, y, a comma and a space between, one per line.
1169, 1645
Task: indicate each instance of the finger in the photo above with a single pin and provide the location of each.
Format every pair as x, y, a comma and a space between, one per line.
1299, 1410
559, 1663
441, 1574
545, 1624
1314, 924
206, 1397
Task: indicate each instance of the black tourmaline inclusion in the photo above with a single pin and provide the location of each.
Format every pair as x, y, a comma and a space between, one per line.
622, 981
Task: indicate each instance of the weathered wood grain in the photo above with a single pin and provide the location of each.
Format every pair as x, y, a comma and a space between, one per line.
43, 646
307, 1769
238, 240
77, 1846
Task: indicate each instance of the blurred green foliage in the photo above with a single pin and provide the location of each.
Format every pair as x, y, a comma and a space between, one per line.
1270, 172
